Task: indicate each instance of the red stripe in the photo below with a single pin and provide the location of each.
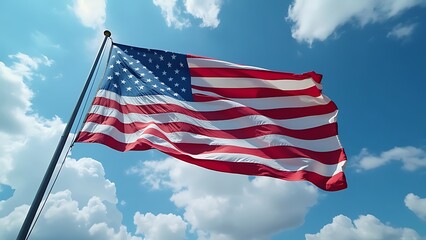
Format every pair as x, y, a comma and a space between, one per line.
334, 183
251, 73
273, 152
237, 112
259, 92
320, 132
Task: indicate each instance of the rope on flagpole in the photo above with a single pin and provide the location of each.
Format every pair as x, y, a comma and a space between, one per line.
65, 155
23, 232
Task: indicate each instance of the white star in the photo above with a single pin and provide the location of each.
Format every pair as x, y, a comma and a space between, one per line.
176, 84
148, 80
150, 60
141, 87
142, 74
168, 88
131, 63
124, 69
177, 71
162, 90
118, 52
125, 50
173, 57
183, 78
181, 64
175, 94
144, 55
170, 79
161, 83
109, 77
169, 64
115, 85
129, 88
117, 74
137, 69
183, 90
155, 85
118, 62
130, 76
164, 72
123, 81
111, 66
137, 82
137, 61
124, 58
157, 66
113, 56
161, 57
156, 77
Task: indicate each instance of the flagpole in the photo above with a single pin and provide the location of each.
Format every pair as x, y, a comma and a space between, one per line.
23, 233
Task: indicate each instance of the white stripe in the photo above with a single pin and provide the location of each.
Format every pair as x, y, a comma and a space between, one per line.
284, 164
255, 103
270, 140
242, 83
214, 63
229, 124
266, 103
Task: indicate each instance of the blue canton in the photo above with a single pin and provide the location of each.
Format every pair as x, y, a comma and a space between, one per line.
135, 71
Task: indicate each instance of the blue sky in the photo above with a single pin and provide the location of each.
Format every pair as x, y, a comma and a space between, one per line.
372, 56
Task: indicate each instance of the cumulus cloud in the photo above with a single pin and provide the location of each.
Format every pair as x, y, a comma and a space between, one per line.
402, 31
319, 19
416, 204
412, 158
228, 206
171, 12
91, 13
160, 227
205, 10
366, 227
83, 203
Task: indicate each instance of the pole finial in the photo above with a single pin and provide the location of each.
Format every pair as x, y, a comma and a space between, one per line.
107, 33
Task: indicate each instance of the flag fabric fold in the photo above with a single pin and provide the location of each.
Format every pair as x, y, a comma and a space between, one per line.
218, 115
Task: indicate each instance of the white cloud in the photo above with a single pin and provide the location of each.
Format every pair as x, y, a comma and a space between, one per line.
26, 65
171, 13
160, 227
401, 31
366, 227
91, 13
416, 204
206, 10
83, 204
229, 206
412, 158
84, 207
319, 19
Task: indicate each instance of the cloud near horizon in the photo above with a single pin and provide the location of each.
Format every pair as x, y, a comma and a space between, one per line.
229, 206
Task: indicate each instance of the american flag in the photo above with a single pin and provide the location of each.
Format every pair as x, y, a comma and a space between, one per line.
218, 115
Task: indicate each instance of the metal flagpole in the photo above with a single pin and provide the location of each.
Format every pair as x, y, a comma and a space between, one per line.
49, 172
